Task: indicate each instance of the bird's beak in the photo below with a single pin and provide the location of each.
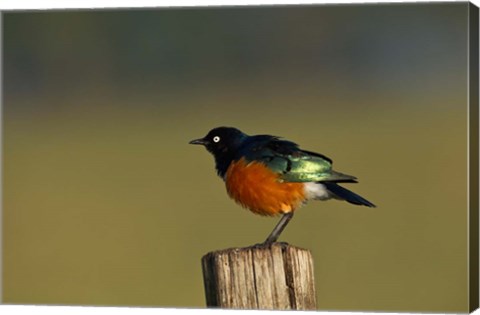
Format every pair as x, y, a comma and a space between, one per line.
199, 141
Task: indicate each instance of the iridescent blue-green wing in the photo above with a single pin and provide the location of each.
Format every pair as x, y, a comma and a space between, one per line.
296, 165
303, 166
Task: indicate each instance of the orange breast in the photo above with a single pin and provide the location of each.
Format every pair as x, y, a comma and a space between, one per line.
257, 188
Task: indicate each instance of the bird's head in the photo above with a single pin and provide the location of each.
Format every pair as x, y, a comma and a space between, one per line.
221, 141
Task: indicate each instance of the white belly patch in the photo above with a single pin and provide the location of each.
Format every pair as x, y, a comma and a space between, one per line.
316, 191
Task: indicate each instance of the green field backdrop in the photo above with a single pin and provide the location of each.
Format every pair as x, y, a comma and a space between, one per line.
105, 203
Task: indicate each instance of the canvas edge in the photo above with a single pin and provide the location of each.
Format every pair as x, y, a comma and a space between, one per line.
473, 217
1, 157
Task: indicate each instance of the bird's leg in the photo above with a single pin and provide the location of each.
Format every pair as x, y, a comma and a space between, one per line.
278, 228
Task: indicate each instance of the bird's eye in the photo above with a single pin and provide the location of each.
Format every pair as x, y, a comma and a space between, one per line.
216, 139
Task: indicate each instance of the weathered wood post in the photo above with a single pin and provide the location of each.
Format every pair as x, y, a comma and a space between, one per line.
278, 277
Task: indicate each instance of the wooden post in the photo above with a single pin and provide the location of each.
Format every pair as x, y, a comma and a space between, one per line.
278, 277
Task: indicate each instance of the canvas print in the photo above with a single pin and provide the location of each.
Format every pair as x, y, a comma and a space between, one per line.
303, 157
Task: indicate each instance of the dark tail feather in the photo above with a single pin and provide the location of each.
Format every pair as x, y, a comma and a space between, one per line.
347, 195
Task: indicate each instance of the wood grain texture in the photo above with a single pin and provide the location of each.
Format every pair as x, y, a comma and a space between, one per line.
278, 277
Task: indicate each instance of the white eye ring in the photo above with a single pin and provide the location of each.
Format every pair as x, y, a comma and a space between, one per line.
216, 139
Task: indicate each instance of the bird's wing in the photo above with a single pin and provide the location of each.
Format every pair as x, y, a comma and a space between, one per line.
296, 165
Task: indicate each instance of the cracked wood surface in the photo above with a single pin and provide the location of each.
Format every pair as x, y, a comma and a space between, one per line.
278, 277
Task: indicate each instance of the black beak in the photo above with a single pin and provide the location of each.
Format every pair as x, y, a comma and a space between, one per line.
199, 141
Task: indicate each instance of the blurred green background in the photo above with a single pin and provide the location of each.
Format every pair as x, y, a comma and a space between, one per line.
105, 203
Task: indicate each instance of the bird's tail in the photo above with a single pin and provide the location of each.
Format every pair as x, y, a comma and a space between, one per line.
347, 195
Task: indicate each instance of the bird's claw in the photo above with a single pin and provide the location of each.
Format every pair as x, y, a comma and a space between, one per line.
268, 244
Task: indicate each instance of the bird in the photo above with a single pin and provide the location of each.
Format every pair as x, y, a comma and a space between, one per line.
271, 176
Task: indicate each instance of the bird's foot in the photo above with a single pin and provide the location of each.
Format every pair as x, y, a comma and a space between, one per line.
268, 244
